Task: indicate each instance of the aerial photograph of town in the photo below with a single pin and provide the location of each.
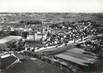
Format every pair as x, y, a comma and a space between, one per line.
51, 42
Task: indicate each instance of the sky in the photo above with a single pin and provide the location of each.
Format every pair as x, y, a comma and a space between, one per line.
88, 6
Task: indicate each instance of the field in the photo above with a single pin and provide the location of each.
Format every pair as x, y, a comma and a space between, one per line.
51, 17
33, 66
